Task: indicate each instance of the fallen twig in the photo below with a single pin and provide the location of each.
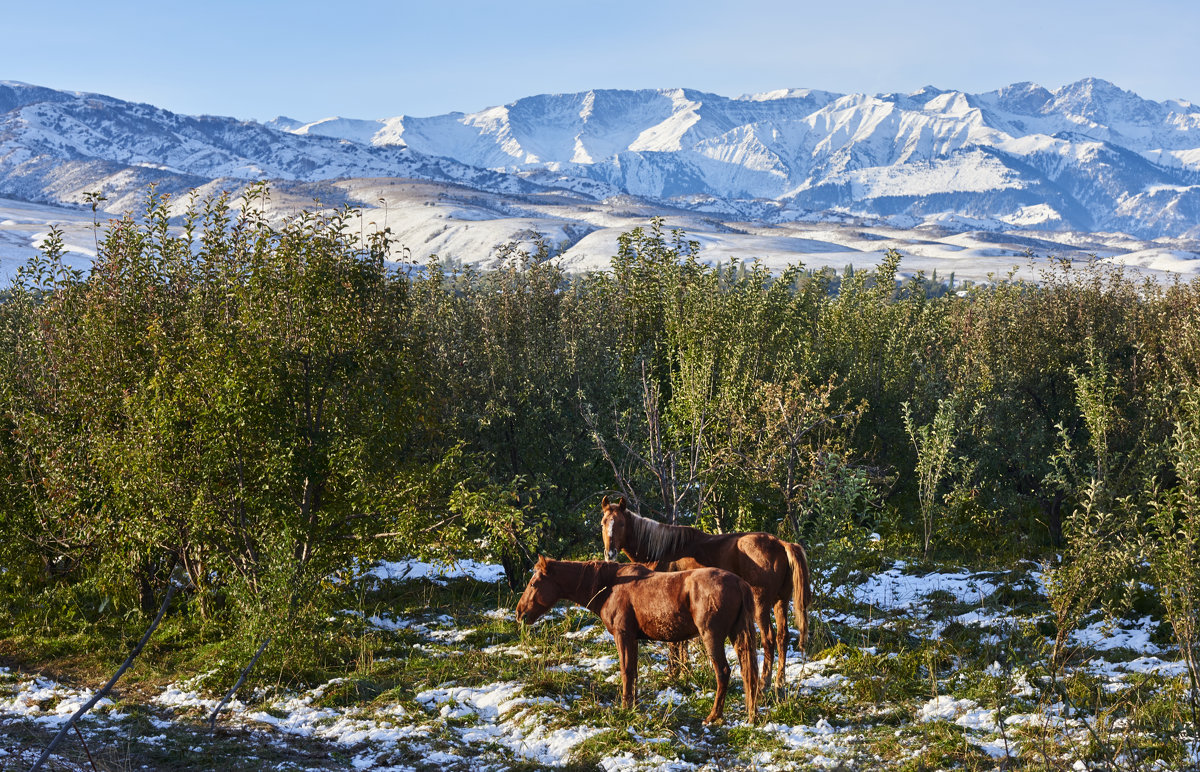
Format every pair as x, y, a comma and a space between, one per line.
86, 750
171, 588
212, 720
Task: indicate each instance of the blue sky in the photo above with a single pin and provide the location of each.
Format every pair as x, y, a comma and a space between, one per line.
372, 59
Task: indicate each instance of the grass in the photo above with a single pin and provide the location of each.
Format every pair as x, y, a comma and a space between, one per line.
137, 742
859, 702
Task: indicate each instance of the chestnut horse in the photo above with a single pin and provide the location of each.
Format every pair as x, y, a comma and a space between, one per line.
636, 603
776, 570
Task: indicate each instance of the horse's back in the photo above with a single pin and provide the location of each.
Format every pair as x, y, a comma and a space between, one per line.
676, 606
715, 594
763, 561
759, 558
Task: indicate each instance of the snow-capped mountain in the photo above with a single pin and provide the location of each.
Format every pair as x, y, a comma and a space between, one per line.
1088, 156
56, 145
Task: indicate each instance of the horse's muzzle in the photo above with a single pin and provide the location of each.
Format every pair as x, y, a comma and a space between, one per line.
612, 555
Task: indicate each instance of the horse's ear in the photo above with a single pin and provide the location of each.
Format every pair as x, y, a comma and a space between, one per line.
604, 503
621, 503
541, 564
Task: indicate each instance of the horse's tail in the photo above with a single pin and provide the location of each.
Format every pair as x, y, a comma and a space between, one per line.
801, 589
747, 651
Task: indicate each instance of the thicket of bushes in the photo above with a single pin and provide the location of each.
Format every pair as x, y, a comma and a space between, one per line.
264, 407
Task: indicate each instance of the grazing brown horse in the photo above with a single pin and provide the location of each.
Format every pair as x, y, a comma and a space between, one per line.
636, 603
776, 570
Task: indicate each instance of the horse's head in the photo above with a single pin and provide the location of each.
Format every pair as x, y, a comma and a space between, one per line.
615, 525
540, 594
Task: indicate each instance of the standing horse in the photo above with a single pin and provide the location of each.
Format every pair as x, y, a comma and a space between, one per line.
776, 570
636, 603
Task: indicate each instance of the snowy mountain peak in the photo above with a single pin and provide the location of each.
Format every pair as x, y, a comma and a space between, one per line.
283, 123
791, 93
1088, 155
1022, 98
1103, 103
951, 103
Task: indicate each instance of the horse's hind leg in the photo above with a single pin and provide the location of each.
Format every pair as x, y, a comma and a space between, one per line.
781, 639
715, 646
743, 644
762, 615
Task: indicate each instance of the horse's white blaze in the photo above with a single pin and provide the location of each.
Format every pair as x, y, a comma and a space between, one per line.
611, 554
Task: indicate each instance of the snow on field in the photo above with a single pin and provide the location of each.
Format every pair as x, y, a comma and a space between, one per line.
46, 701
343, 727
810, 676
965, 713
1106, 635
437, 572
893, 589
497, 722
1116, 671
522, 731
828, 744
625, 762
602, 664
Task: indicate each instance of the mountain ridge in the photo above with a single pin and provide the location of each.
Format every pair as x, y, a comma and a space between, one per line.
1086, 156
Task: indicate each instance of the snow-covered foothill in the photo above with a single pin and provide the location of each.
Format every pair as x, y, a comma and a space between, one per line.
1018, 167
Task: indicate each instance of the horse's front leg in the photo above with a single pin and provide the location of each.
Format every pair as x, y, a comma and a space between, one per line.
627, 655
677, 657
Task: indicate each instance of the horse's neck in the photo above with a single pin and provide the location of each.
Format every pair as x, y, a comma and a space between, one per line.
583, 583
653, 541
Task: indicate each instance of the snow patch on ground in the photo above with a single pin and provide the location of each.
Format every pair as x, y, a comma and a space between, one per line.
626, 762
438, 573
1107, 635
46, 701
893, 589
506, 718
811, 676
965, 713
827, 744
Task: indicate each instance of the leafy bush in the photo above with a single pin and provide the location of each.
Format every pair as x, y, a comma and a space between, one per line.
262, 404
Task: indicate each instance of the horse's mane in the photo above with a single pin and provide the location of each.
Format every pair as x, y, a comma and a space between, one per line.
659, 541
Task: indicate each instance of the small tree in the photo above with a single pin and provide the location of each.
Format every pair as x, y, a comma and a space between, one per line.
1102, 543
1174, 556
934, 443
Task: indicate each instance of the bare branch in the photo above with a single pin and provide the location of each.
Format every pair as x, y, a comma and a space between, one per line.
171, 588
212, 720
